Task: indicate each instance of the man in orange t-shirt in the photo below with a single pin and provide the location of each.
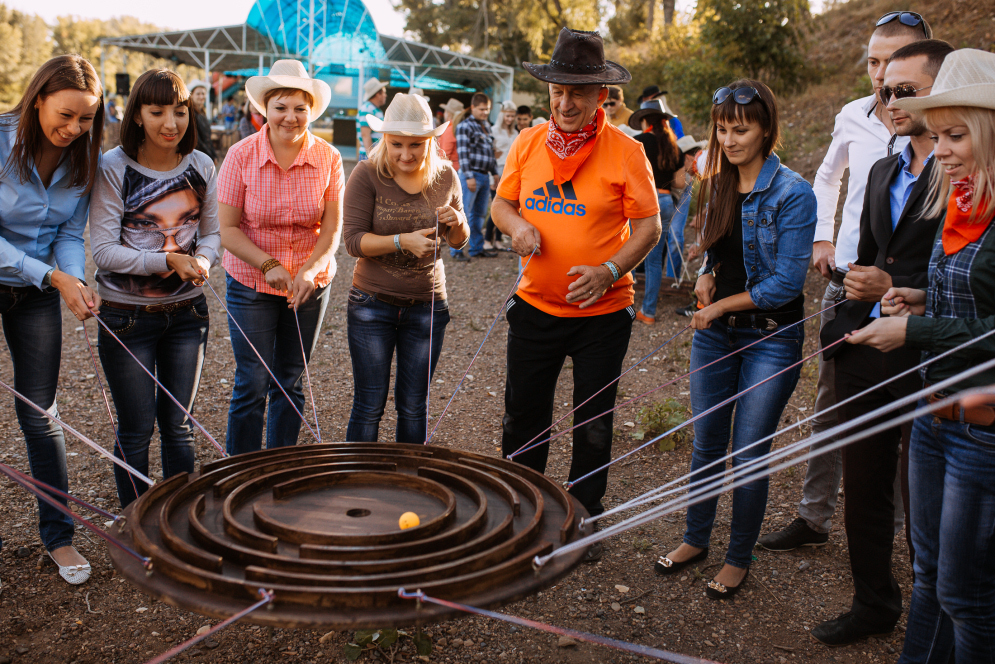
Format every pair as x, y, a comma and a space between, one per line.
581, 193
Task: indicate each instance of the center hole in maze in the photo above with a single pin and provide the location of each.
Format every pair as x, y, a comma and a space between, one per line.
358, 512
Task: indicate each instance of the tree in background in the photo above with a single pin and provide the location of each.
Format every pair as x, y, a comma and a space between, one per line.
24, 46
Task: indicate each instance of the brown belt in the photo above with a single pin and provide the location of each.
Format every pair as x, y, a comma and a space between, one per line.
150, 308
398, 301
981, 415
662, 191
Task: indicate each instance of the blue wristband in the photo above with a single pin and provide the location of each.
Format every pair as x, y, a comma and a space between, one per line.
397, 241
611, 268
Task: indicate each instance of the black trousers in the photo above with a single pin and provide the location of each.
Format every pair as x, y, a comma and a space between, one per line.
538, 344
869, 468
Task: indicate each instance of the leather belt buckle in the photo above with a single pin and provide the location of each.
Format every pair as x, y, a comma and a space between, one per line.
771, 325
731, 321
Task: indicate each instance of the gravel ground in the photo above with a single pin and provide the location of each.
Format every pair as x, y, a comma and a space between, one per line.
42, 619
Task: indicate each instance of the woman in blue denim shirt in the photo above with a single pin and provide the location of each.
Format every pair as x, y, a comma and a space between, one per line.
758, 230
49, 149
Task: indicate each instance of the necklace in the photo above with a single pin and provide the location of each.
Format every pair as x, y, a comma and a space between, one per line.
148, 164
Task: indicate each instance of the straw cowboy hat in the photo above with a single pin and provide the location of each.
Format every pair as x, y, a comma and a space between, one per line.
687, 142
454, 107
579, 59
966, 78
289, 74
193, 85
408, 115
372, 87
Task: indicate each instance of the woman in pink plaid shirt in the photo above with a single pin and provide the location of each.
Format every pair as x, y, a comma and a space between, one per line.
280, 207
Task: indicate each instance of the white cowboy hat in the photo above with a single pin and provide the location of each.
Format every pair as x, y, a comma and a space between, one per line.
687, 142
193, 85
372, 87
508, 106
289, 74
966, 78
453, 106
408, 115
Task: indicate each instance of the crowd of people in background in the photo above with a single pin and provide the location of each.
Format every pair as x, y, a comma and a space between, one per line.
583, 198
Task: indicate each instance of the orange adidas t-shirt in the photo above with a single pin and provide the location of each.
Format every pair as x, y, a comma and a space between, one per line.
583, 221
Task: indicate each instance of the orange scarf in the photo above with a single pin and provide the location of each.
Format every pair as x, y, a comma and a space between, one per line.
568, 150
958, 229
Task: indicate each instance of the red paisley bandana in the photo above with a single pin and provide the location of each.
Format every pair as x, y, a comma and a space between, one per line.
964, 192
958, 230
568, 150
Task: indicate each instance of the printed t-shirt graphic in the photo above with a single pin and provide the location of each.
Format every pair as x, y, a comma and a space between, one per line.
159, 216
583, 221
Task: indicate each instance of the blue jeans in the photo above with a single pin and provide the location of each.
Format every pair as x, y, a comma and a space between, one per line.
952, 492
475, 206
757, 415
32, 326
376, 329
654, 260
675, 238
172, 346
271, 327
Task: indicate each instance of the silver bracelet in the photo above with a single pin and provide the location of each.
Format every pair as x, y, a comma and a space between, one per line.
397, 242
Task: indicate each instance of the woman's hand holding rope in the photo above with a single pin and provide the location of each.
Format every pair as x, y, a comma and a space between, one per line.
188, 268
78, 296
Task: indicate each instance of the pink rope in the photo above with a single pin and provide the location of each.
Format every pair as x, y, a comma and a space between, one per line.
645, 651
431, 328
267, 597
169, 394
107, 403
307, 373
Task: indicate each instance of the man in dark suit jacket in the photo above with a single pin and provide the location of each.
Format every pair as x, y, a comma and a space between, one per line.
896, 241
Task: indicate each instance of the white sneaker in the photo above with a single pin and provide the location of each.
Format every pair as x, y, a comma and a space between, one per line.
73, 574
488, 246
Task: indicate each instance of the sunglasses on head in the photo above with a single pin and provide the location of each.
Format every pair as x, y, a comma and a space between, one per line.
910, 19
902, 91
741, 96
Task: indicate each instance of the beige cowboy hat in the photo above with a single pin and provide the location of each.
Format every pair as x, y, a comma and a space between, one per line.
193, 85
372, 87
289, 74
687, 142
966, 78
454, 107
407, 115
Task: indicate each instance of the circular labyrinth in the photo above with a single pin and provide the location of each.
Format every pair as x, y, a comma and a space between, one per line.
318, 526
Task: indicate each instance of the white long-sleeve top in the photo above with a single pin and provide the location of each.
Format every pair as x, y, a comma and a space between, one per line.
859, 140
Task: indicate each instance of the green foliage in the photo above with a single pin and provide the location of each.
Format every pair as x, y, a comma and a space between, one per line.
384, 642
660, 417
24, 47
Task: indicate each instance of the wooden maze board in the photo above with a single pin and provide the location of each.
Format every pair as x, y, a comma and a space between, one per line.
318, 525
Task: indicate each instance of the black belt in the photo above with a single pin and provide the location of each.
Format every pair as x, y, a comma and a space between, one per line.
398, 301
151, 308
761, 321
17, 289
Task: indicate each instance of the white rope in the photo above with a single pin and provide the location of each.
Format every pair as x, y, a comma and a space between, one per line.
741, 476
660, 492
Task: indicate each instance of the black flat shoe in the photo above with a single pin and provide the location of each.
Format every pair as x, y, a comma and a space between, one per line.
716, 590
666, 566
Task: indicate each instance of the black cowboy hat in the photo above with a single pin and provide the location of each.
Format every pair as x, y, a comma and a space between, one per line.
579, 59
649, 109
651, 92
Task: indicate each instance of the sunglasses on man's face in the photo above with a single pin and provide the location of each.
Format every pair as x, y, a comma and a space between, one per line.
741, 96
608, 104
902, 91
910, 19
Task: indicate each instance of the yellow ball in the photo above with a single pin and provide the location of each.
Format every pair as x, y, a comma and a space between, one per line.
408, 520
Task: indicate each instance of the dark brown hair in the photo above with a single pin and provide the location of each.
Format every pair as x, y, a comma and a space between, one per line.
720, 181
156, 87
934, 50
63, 72
479, 98
668, 156
286, 92
614, 92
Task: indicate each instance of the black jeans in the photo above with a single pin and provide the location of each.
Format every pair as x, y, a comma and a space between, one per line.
869, 468
32, 326
538, 344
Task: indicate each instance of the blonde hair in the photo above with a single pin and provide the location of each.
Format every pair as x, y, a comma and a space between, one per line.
434, 163
980, 122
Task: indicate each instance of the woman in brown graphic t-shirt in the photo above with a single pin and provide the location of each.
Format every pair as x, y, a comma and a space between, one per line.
393, 203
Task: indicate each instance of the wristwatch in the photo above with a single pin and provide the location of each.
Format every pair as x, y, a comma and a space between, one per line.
46, 281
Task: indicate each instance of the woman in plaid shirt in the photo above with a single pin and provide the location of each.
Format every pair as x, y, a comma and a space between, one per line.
280, 207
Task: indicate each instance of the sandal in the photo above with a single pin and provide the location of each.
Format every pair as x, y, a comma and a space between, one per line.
73, 574
716, 590
666, 566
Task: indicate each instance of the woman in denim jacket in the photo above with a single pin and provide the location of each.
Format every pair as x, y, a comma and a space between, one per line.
758, 230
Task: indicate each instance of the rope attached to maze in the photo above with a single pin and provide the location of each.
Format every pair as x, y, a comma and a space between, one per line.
307, 373
431, 327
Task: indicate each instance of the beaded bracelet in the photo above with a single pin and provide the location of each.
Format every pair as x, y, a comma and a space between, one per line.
613, 268
268, 265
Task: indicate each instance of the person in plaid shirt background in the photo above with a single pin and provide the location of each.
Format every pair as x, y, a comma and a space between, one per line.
280, 207
475, 149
